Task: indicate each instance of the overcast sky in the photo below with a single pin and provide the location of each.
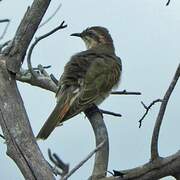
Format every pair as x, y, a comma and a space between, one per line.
146, 37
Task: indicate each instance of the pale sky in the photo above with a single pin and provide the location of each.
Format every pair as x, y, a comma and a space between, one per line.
146, 38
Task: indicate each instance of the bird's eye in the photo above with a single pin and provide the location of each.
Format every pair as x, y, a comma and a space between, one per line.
90, 33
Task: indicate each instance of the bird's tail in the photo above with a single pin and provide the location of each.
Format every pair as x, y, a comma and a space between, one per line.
55, 118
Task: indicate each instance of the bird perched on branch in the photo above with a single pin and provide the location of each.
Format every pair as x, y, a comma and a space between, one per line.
88, 78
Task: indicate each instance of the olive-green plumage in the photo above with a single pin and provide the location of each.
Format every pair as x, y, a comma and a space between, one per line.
88, 78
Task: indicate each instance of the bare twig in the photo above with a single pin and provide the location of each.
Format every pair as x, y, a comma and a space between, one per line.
61, 168
155, 136
6, 27
4, 45
48, 19
61, 26
147, 108
110, 113
4, 20
44, 67
124, 92
84, 160
168, 2
2, 136
54, 79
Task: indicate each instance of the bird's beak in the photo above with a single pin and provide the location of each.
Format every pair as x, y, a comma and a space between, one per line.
77, 34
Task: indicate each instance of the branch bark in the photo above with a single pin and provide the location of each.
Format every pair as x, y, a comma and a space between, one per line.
153, 170
16, 52
155, 136
102, 156
21, 143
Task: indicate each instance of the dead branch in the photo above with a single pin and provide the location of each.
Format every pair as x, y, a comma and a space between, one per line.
4, 45
20, 140
101, 158
168, 2
61, 26
6, 27
157, 167
60, 167
2, 136
16, 52
155, 136
50, 17
147, 108
124, 92
42, 80
110, 113
152, 170
4, 20
80, 164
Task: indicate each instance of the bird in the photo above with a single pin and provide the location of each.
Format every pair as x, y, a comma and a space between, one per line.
88, 78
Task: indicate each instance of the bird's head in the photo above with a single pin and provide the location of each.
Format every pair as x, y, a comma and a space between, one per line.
95, 36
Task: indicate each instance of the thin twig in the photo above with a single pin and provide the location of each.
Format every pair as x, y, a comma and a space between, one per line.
48, 19
83, 161
61, 26
44, 67
6, 27
147, 108
124, 92
110, 113
155, 136
58, 164
168, 2
4, 45
2, 136
54, 79
4, 20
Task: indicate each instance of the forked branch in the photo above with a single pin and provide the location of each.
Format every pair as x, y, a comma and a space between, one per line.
61, 26
155, 136
147, 108
168, 2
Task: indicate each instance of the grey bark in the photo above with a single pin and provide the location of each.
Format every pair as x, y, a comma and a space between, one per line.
101, 134
21, 144
20, 141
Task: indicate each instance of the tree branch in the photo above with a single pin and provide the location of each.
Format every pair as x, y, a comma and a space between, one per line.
21, 143
34, 74
101, 158
60, 167
110, 113
16, 52
147, 108
4, 45
4, 20
124, 92
48, 19
2, 136
6, 27
41, 80
157, 169
80, 164
155, 136
168, 2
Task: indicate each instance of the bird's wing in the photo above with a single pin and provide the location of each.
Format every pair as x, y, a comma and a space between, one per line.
86, 79
102, 74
